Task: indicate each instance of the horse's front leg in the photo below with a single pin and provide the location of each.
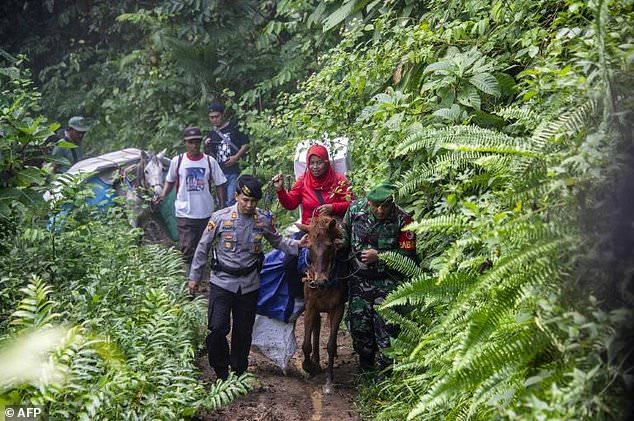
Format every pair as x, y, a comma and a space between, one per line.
335, 319
309, 327
316, 332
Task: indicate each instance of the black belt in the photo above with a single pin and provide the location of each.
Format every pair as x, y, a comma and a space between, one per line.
219, 267
235, 272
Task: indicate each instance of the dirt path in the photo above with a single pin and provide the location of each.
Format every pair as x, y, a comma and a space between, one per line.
294, 396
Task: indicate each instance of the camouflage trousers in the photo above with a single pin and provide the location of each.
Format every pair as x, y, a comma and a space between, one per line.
370, 333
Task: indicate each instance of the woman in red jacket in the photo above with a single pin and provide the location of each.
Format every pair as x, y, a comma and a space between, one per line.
319, 190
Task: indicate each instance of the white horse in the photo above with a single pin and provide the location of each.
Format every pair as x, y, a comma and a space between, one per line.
148, 181
132, 173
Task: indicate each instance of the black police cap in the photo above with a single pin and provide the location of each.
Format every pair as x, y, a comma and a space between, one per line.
250, 186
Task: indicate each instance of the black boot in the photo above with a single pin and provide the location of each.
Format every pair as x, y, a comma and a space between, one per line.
222, 373
366, 363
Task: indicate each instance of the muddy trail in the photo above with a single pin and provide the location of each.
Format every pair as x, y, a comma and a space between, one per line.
294, 396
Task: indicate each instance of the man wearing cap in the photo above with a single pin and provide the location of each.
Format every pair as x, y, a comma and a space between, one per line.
193, 173
234, 235
370, 227
227, 144
73, 134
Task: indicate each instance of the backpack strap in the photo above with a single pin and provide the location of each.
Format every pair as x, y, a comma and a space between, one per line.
320, 197
227, 138
210, 178
178, 167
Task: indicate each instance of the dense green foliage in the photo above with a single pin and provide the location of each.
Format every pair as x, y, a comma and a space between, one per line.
92, 324
501, 125
507, 126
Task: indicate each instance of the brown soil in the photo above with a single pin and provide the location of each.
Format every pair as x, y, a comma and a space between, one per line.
294, 396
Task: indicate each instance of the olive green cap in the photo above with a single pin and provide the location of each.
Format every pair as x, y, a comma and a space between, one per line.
78, 123
382, 192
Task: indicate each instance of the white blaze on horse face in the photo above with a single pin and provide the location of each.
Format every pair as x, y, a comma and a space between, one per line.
154, 174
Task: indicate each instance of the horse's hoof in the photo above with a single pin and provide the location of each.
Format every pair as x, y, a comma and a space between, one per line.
328, 389
311, 368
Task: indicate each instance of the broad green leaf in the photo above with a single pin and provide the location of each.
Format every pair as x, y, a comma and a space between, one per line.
339, 15
28, 177
486, 83
452, 113
66, 144
469, 97
440, 65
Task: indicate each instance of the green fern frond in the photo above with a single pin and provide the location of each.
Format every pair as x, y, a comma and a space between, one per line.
531, 254
401, 263
568, 124
533, 263
463, 139
412, 292
508, 353
223, 393
498, 389
426, 291
433, 171
493, 147
443, 223
410, 330
496, 164
35, 310
487, 318
524, 116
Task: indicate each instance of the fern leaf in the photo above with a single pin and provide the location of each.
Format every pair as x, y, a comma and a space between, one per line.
35, 310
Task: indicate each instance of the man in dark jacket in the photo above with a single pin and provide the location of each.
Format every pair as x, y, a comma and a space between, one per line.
74, 134
228, 145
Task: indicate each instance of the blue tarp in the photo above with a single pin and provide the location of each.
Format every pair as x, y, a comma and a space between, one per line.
274, 300
104, 198
104, 195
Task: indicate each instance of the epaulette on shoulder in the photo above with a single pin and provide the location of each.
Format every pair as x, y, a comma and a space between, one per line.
223, 211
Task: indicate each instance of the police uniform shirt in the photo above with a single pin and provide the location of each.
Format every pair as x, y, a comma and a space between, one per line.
237, 239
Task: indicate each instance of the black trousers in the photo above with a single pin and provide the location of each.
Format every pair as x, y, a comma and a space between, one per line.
222, 305
189, 232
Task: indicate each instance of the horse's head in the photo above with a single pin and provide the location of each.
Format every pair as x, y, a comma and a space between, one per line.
152, 172
323, 240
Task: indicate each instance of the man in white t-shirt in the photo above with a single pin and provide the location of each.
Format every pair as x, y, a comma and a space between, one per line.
193, 173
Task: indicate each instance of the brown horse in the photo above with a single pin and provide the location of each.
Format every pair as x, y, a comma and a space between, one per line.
322, 293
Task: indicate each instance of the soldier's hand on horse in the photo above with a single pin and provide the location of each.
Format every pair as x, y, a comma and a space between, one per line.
369, 256
324, 210
192, 286
278, 181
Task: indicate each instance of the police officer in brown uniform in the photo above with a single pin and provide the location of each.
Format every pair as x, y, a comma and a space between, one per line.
234, 235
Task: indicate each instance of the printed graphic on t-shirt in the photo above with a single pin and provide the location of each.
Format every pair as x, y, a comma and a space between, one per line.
195, 179
224, 150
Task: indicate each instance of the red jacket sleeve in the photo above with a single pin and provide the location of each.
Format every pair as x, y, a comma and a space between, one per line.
292, 199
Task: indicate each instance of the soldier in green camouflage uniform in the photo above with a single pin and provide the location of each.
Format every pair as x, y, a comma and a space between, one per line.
371, 226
